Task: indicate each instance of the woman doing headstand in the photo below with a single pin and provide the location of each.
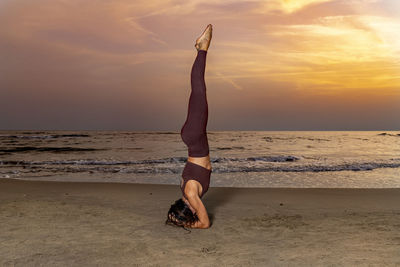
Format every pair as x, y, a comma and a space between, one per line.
189, 211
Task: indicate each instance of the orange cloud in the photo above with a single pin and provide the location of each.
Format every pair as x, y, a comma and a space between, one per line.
332, 54
287, 6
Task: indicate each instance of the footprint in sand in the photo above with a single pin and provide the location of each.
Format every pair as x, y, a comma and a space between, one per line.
209, 250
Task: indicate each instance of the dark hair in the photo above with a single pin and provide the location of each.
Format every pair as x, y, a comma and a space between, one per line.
180, 215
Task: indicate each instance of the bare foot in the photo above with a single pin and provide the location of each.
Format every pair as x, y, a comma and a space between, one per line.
203, 42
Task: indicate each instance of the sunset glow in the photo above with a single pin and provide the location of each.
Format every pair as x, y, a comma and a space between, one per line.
126, 64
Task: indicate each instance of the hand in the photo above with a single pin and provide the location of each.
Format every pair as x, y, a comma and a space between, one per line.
197, 224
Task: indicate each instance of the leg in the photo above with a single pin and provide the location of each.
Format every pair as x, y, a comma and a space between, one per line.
193, 132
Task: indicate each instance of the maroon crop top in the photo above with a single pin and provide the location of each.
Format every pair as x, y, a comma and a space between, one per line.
196, 172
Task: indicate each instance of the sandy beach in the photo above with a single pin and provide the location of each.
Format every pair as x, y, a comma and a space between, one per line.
104, 224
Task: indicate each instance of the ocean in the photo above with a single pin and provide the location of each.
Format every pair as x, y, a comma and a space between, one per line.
296, 159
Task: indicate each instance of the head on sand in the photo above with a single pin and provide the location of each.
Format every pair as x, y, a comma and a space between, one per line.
180, 214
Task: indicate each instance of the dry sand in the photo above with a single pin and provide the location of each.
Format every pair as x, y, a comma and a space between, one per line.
103, 224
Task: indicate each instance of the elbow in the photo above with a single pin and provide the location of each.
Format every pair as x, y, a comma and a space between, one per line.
205, 225
200, 225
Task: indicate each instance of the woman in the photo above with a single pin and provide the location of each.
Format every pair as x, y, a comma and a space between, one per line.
189, 211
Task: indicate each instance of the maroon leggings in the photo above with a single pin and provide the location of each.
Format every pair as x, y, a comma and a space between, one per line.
193, 132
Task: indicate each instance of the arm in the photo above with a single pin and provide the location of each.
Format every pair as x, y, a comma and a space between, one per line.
196, 205
200, 210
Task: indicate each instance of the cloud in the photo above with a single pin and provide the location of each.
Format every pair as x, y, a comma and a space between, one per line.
287, 6
229, 80
136, 52
343, 51
95, 25
330, 54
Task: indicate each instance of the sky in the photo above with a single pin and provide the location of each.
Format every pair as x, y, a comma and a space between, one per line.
271, 65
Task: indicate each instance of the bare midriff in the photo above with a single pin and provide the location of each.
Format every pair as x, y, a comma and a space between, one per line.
202, 161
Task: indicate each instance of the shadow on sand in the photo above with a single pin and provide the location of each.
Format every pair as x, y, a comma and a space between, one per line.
217, 197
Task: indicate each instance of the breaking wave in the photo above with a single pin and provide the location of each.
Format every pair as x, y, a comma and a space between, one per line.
220, 165
45, 149
42, 136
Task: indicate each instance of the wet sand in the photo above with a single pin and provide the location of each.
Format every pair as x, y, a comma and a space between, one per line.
104, 224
